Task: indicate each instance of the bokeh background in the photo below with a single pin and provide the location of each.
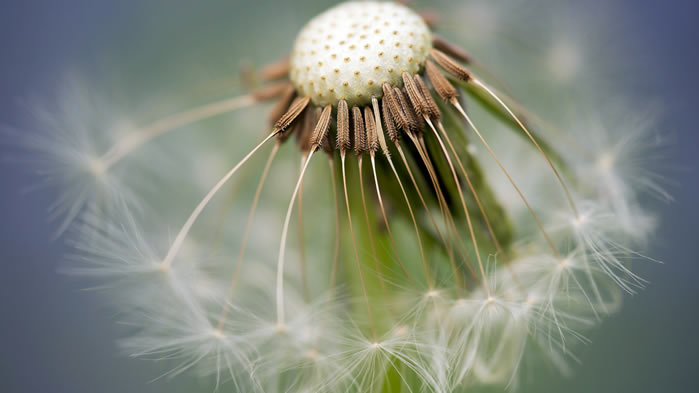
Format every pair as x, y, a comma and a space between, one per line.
56, 338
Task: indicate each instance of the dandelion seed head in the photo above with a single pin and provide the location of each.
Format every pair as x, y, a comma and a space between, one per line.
378, 41
471, 251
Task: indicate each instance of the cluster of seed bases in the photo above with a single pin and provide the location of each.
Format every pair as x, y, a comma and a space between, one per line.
351, 50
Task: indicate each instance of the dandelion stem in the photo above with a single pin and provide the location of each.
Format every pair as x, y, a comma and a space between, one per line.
514, 185
498, 246
463, 205
302, 242
384, 148
450, 252
385, 220
172, 122
243, 245
444, 208
428, 279
569, 197
181, 236
228, 204
356, 252
448, 218
338, 227
370, 234
282, 245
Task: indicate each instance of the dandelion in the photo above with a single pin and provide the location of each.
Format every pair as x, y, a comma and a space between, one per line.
458, 251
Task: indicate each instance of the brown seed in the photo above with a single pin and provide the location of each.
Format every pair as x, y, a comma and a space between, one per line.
343, 130
321, 128
450, 49
327, 145
303, 137
295, 129
292, 114
415, 123
414, 95
391, 128
371, 136
360, 145
450, 65
325, 141
440, 83
276, 70
431, 106
391, 101
280, 108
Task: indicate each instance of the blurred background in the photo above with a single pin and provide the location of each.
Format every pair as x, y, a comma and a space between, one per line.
57, 338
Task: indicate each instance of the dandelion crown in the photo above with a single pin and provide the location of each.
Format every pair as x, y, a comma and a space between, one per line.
350, 51
454, 262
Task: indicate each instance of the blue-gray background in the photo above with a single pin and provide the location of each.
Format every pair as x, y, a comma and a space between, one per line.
53, 338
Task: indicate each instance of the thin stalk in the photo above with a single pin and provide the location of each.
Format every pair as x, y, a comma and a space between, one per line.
498, 246
172, 122
282, 246
385, 219
243, 246
356, 252
338, 227
424, 204
372, 244
184, 231
568, 195
512, 182
463, 205
446, 213
302, 242
428, 279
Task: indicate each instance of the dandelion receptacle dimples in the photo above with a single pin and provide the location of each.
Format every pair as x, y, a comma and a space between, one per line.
351, 50
429, 233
